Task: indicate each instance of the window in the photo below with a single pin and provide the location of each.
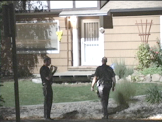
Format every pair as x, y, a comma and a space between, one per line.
37, 37
44, 5
61, 4
32, 5
85, 4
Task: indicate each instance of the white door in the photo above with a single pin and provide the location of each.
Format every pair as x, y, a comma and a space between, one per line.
91, 42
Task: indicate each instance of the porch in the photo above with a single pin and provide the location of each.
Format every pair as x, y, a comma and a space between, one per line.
75, 74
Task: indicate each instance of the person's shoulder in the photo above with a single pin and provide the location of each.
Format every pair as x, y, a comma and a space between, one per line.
108, 66
98, 67
43, 67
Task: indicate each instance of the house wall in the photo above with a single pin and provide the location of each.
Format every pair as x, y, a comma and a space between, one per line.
120, 42
57, 59
123, 40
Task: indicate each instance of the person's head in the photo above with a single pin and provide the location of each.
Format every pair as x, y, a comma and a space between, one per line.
47, 61
104, 60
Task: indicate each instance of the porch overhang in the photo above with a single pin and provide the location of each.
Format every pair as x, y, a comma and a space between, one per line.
83, 13
136, 11
56, 13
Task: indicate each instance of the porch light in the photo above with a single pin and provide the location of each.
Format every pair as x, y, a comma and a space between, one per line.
73, 20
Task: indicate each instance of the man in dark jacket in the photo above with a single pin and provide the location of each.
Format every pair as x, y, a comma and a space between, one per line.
46, 74
106, 81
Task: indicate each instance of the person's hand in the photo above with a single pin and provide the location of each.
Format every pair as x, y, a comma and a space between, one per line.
113, 89
51, 67
92, 88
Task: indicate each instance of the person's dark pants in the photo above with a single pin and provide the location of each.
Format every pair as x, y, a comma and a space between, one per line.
48, 98
104, 91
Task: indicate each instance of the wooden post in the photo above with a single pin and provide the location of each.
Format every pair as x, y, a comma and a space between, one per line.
67, 41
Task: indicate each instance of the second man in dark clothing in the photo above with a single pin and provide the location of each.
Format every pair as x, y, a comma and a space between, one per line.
105, 76
46, 74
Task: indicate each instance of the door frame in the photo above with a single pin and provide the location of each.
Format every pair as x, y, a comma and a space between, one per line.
101, 39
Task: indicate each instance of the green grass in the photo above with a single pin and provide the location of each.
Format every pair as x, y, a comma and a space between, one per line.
31, 93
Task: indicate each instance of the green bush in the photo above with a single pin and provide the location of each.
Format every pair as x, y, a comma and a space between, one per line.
153, 69
121, 70
1, 98
153, 94
156, 54
123, 92
143, 56
148, 56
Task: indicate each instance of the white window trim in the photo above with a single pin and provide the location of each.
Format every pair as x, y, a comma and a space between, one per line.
47, 51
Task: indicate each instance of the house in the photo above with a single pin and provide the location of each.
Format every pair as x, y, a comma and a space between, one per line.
83, 41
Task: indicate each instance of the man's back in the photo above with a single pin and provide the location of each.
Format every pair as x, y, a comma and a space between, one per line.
104, 72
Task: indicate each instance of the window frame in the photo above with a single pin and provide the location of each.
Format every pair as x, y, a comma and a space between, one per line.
74, 7
44, 51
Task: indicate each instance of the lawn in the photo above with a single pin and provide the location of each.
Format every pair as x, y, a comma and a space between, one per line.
31, 93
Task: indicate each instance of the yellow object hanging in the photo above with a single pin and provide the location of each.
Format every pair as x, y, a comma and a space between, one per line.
59, 35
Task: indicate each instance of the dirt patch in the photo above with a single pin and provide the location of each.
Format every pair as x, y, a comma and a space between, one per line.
137, 109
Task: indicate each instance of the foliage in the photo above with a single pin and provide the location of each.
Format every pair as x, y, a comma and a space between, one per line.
153, 94
153, 69
148, 56
121, 70
123, 92
31, 93
144, 56
1, 98
156, 54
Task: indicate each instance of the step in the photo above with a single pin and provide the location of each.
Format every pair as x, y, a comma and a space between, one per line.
82, 68
73, 76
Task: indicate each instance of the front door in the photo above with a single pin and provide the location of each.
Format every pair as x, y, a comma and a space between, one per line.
91, 42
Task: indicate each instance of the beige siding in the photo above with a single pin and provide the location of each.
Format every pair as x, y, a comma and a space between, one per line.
123, 40
58, 59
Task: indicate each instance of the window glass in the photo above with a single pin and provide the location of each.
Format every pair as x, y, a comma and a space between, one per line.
37, 37
61, 4
83, 4
34, 5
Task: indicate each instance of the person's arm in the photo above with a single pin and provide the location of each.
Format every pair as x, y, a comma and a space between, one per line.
93, 83
113, 83
54, 70
44, 76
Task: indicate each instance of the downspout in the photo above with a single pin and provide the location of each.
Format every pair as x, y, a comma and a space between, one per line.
67, 23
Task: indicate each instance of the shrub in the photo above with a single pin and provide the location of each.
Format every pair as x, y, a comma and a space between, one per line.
121, 70
156, 54
1, 98
153, 69
147, 55
123, 92
143, 56
153, 94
